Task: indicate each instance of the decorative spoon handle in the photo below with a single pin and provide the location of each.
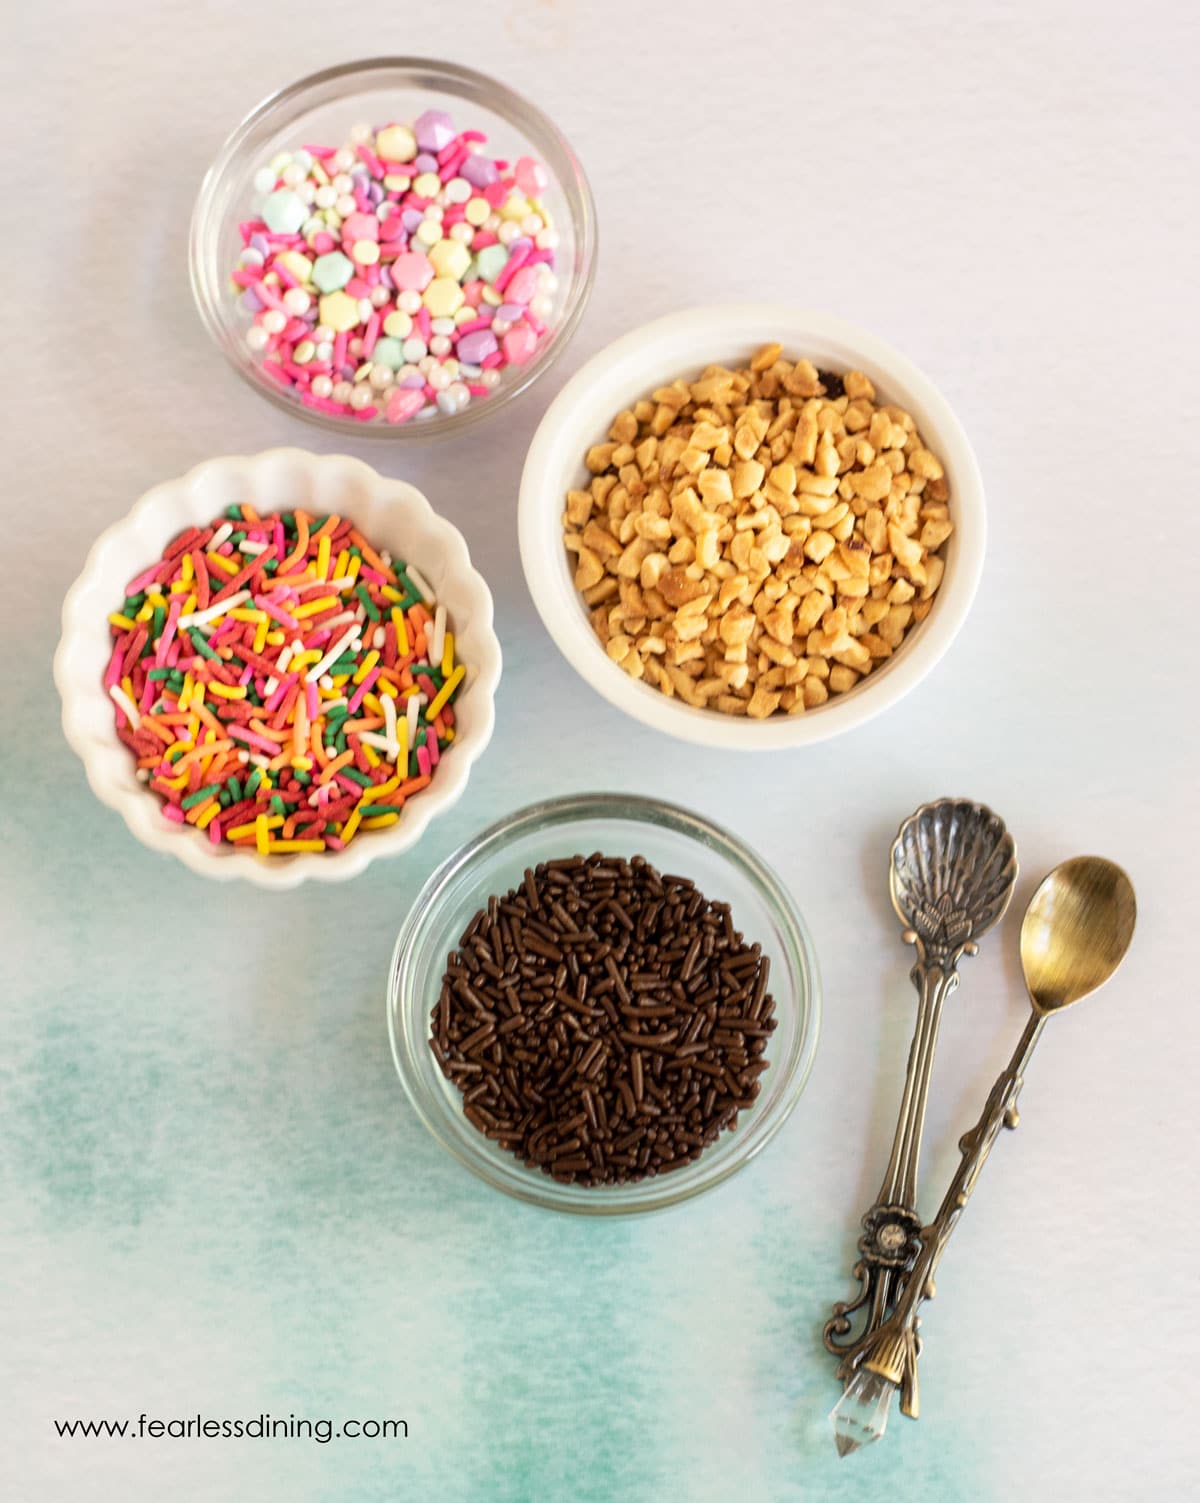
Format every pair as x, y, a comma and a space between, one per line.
891, 1228
952, 869
893, 1349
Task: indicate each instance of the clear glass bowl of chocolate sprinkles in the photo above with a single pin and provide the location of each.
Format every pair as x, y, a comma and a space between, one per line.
680, 1014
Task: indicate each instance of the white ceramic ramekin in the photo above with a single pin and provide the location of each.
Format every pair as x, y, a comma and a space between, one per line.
393, 515
681, 345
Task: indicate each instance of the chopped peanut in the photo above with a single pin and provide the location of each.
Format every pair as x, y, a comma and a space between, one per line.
751, 543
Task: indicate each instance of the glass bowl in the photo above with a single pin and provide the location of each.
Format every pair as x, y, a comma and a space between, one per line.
672, 840
321, 110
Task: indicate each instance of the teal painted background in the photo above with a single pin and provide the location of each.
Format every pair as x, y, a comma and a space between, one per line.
213, 1195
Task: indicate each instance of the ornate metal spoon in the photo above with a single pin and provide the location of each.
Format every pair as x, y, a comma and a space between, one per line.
953, 866
1075, 933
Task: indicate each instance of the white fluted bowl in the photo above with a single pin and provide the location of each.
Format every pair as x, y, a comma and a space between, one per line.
393, 515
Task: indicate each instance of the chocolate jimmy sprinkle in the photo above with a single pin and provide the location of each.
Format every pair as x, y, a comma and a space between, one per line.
603, 1022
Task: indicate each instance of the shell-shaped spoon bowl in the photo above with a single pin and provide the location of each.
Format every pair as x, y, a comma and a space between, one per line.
953, 869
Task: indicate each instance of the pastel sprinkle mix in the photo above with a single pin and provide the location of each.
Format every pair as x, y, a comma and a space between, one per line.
276, 679
398, 276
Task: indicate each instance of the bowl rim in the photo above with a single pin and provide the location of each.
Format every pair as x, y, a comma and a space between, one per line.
621, 364
138, 807
511, 105
647, 1195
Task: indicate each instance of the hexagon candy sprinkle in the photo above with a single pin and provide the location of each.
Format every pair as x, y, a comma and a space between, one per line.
281, 683
411, 233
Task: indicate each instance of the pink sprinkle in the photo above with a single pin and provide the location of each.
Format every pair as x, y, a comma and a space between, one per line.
277, 614
214, 832
364, 688
423, 322
477, 389
149, 690
373, 165
371, 334
404, 403
431, 746
333, 843
164, 642
492, 361
326, 404
483, 238
339, 349
323, 153
276, 372
473, 135
136, 586
249, 227
269, 296
173, 812
284, 275
280, 694
348, 784
280, 540
246, 675
523, 286
476, 323
423, 761
112, 674
253, 740
310, 699
226, 626
510, 268
365, 414
246, 277
366, 572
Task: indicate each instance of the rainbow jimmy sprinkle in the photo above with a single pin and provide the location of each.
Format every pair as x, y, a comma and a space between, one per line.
281, 683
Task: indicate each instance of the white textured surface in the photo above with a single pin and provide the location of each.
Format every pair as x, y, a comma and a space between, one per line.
213, 1195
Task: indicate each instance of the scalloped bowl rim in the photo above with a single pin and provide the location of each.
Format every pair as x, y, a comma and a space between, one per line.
162, 511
